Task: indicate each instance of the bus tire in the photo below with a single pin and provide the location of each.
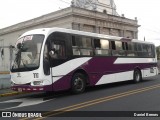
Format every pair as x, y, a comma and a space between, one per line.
137, 76
78, 83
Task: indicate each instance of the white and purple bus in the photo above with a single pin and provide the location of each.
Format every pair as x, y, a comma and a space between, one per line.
54, 59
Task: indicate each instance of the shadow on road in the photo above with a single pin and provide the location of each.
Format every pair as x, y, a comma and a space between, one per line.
52, 95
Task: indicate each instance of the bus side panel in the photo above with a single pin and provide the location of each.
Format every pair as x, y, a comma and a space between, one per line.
152, 71
63, 83
115, 77
101, 70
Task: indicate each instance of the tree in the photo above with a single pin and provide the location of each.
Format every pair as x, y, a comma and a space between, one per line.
158, 52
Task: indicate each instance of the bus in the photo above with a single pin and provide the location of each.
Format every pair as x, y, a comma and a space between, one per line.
55, 59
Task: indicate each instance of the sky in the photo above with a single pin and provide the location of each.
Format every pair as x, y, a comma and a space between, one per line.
146, 11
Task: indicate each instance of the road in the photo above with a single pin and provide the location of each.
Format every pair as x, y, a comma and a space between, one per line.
120, 101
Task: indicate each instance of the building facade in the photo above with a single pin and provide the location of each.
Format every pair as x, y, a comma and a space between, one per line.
107, 6
70, 18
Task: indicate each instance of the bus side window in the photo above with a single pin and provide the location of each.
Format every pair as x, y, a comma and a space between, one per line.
101, 47
124, 46
145, 50
140, 52
82, 45
75, 46
130, 50
149, 49
153, 51
117, 48
113, 46
58, 49
46, 63
86, 46
45, 53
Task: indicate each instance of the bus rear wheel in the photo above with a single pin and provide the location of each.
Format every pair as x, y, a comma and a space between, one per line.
137, 76
78, 83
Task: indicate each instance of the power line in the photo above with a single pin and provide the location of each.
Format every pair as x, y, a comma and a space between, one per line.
151, 30
65, 2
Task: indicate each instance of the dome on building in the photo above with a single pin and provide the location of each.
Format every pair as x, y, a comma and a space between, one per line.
106, 6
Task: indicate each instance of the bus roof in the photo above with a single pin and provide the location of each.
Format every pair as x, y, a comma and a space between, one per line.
48, 31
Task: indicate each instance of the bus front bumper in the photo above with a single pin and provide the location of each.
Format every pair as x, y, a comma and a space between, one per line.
29, 88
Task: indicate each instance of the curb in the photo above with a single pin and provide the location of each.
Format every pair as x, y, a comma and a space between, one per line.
4, 72
12, 94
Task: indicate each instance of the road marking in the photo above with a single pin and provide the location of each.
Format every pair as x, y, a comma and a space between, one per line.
95, 101
24, 102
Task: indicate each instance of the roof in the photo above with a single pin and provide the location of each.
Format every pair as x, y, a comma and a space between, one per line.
48, 31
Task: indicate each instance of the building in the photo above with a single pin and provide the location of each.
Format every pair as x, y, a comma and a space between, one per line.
72, 18
106, 6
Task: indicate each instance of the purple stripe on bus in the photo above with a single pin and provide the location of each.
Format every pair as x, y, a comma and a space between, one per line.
62, 84
95, 67
96, 70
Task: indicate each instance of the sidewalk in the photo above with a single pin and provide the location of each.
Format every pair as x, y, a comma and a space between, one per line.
6, 92
9, 92
5, 81
5, 85
3, 91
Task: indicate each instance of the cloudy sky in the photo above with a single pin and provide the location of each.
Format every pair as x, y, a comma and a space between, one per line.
147, 12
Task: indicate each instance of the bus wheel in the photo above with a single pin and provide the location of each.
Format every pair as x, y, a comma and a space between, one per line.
137, 77
78, 84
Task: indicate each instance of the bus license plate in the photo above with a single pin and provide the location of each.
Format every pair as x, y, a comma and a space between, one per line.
19, 89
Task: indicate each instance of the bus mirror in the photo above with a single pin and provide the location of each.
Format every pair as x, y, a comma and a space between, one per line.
51, 53
19, 45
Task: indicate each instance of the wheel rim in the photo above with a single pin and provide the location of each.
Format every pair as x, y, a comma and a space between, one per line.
78, 84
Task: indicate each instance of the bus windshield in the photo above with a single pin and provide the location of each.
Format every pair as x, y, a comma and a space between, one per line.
27, 55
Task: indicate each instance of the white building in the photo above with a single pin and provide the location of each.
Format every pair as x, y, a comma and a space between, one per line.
107, 6
72, 18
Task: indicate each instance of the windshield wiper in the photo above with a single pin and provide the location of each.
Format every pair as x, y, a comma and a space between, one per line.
18, 60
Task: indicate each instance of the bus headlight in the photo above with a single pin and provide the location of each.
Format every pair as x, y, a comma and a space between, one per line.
37, 82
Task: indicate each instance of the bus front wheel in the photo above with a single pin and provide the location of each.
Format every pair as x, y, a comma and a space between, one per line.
78, 83
137, 77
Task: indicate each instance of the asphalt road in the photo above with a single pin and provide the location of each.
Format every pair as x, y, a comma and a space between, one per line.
120, 101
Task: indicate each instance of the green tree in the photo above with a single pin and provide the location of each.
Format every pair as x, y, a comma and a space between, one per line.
158, 52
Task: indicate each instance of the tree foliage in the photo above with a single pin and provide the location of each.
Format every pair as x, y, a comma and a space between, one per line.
158, 52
